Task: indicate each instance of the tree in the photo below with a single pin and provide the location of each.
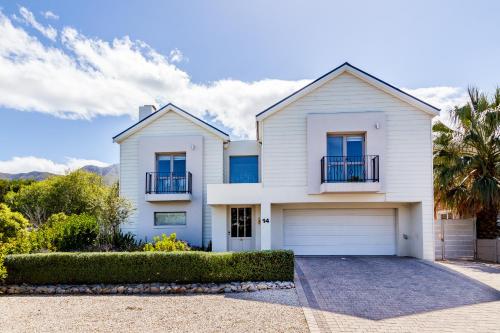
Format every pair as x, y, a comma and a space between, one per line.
15, 185
115, 211
467, 161
78, 192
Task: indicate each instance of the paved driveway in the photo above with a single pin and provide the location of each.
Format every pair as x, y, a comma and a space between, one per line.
393, 294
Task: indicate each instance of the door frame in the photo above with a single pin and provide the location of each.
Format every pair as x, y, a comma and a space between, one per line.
253, 224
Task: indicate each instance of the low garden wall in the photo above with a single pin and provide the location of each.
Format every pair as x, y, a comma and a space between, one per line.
148, 267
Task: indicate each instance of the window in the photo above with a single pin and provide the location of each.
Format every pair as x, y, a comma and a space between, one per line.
171, 173
243, 169
345, 160
241, 222
171, 163
345, 145
170, 218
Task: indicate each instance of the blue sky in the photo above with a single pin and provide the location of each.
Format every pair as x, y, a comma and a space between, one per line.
72, 78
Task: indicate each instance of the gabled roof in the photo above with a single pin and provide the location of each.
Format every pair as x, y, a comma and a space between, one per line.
347, 67
163, 110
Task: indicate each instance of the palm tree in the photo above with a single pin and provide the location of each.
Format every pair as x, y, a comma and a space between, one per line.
467, 161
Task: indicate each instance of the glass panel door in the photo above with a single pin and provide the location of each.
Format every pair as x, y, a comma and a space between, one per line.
171, 173
335, 159
241, 222
178, 173
163, 167
354, 160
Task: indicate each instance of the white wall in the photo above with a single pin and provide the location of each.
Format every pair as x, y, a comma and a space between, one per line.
408, 151
170, 124
192, 146
371, 125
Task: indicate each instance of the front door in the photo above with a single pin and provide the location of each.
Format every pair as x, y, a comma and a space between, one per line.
240, 229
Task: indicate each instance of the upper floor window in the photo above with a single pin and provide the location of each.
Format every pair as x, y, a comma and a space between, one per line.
170, 176
345, 145
171, 163
243, 169
345, 160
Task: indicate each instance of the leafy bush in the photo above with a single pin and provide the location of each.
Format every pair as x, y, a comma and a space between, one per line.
70, 233
79, 192
118, 242
3, 270
12, 224
166, 244
14, 235
143, 267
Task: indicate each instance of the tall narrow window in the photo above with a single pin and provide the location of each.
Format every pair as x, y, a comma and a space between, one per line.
243, 169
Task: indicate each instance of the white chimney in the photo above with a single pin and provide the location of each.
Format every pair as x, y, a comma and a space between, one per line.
145, 111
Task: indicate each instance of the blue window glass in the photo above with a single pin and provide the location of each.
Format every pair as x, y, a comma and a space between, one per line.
170, 173
243, 169
335, 159
345, 160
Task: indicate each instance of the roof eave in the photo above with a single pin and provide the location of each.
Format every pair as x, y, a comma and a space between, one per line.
424, 106
132, 129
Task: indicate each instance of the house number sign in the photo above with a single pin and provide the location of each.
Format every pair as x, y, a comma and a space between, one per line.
265, 220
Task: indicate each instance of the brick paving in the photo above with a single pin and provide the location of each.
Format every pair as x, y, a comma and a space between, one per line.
394, 294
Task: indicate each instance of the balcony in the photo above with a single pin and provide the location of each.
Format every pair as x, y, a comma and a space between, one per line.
168, 186
350, 174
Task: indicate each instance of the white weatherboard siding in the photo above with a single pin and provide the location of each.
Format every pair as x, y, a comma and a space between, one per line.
408, 165
170, 124
340, 231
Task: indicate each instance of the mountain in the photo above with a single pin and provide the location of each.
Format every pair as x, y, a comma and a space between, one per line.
36, 175
110, 173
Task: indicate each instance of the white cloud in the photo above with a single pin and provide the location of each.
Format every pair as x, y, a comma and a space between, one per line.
89, 77
31, 163
444, 98
30, 19
50, 15
176, 55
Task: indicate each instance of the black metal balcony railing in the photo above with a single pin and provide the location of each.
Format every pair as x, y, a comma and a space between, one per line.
338, 169
168, 182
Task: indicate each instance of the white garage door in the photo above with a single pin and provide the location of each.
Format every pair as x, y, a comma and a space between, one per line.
340, 231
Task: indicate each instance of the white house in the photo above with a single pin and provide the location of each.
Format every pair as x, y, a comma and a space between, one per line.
343, 166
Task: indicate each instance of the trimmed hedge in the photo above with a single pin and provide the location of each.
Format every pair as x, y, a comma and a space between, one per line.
144, 267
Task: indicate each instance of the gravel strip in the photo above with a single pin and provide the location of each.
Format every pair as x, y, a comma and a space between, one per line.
261, 311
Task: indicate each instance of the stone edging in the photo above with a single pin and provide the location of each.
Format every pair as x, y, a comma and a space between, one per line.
143, 288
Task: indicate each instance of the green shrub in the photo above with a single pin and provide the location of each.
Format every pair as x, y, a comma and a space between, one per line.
166, 244
3, 270
143, 267
70, 233
12, 224
118, 242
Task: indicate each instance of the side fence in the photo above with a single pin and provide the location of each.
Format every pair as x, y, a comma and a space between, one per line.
488, 249
456, 239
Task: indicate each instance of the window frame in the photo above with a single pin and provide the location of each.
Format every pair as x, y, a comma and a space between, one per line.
237, 156
171, 160
170, 225
344, 137
251, 225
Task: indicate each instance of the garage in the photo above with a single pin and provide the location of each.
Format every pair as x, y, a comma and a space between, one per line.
340, 231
